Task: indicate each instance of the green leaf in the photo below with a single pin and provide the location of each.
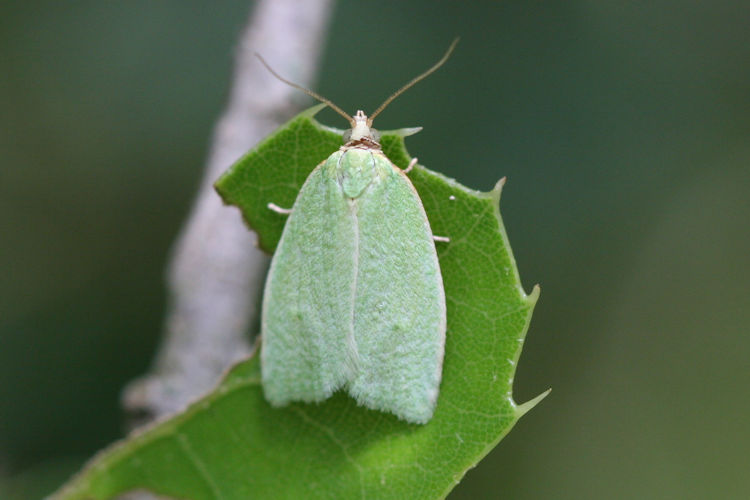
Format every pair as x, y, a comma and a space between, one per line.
232, 445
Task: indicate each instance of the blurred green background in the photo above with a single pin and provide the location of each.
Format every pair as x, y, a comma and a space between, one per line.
623, 130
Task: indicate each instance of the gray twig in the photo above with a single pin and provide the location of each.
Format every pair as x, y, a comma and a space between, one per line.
216, 271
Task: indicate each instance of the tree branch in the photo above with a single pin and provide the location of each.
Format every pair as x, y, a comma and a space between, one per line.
216, 271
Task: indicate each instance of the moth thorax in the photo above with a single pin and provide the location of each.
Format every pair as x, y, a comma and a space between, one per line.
361, 129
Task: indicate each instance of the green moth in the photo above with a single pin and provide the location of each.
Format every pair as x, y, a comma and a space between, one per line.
354, 297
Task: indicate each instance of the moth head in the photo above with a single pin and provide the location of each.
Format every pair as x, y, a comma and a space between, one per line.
361, 129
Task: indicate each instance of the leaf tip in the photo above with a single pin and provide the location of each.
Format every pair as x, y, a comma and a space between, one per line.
497, 190
314, 110
402, 132
534, 295
522, 409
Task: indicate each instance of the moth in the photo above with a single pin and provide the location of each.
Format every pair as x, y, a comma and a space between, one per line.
354, 296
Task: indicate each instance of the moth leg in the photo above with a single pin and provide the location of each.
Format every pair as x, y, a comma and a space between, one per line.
274, 207
410, 165
443, 239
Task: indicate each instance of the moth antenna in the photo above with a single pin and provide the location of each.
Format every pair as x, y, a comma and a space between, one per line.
413, 81
309, 92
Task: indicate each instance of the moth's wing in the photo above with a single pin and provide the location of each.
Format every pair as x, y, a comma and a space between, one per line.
307, 348
399, 311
